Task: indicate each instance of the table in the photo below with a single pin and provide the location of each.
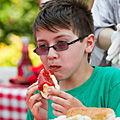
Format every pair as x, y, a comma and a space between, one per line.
13, 102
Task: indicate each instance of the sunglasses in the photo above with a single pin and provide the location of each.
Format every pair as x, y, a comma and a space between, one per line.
58, 47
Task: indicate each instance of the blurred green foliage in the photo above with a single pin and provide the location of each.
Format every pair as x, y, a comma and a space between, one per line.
16, 17
86, 1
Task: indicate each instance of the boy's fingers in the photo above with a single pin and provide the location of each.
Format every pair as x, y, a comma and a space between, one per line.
34, 84
30, 92
36, 107
57, 113
58, 93
33, 99
58, 107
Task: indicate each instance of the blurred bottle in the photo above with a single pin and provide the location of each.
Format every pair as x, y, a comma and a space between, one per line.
27, 73
25, 63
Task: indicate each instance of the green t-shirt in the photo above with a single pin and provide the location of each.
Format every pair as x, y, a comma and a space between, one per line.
102, 89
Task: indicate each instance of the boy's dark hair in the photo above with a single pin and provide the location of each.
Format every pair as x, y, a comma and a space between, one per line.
69, 14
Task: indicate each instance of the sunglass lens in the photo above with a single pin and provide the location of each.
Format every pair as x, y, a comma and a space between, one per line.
42, 51
61, 46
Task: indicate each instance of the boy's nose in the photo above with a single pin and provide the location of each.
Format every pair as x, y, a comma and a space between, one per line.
52, 54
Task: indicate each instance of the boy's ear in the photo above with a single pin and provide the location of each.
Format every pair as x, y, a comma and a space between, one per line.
90, 43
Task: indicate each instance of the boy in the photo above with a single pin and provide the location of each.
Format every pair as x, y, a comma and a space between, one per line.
63, 32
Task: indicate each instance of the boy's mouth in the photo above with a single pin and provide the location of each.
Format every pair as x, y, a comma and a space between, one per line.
54, 67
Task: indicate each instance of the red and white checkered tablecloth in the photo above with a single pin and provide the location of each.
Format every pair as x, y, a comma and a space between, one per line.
13, 102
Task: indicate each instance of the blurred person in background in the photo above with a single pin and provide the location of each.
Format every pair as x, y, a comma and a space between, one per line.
106, 15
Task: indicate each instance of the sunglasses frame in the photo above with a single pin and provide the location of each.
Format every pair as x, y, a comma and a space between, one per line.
53, 46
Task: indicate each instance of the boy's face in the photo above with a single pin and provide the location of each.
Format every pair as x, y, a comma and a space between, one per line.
65, 63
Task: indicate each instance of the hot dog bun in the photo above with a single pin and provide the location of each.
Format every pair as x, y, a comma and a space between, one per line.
117, 118
84, 113
77, 117
93, 113
46, 80
62, 117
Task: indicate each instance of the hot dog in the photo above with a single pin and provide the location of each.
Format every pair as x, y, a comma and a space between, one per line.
46, 80
93, 113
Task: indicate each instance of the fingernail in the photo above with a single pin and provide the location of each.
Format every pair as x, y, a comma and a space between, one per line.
49, 96
49, 90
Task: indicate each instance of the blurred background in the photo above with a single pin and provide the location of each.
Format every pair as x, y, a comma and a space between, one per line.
16, 18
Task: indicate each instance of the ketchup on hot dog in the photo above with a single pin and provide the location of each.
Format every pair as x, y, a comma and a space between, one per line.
44, 78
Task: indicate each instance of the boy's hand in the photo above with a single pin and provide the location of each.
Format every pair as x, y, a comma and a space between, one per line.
36, 103
62, 102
